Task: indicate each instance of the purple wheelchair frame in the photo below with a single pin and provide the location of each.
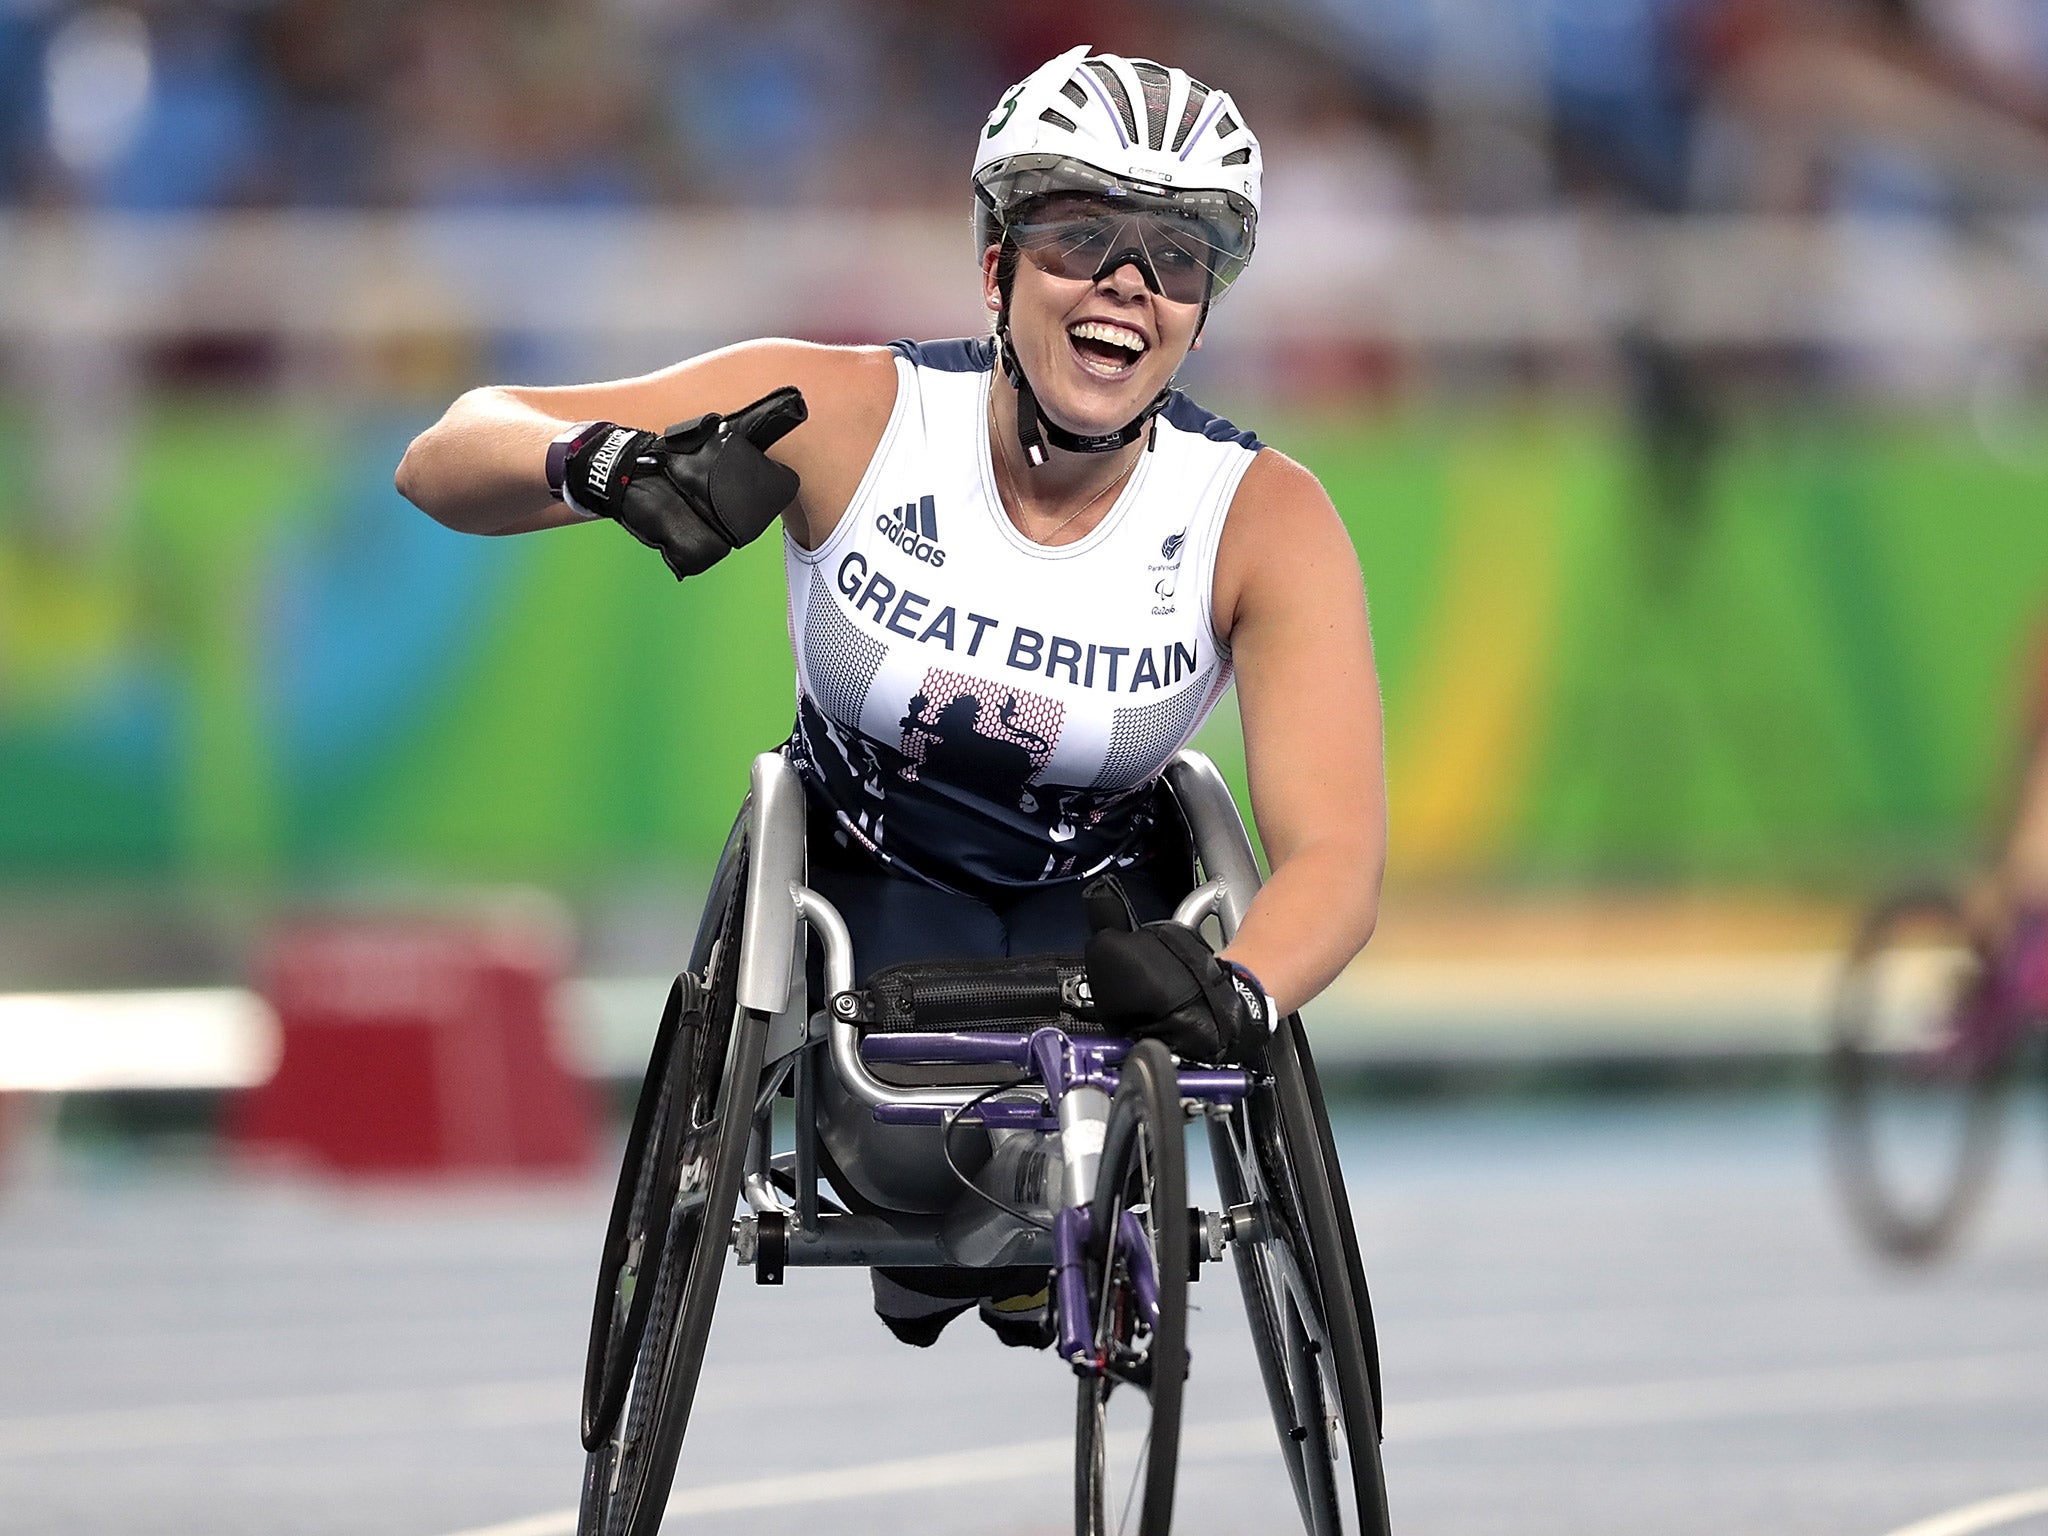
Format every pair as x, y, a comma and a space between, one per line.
1069, 1070
1070, 1080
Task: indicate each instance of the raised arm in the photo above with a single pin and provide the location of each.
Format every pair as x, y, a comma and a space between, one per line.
1289, 594
2021, 871
482, 467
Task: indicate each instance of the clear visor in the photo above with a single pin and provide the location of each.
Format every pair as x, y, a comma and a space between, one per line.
1076, 221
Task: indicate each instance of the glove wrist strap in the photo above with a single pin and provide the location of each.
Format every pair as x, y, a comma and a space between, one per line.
1255, 995
596, 467
565, 443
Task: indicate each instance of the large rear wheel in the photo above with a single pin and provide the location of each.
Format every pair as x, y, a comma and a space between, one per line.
1127, 1425
1924, 1036
1304, 1293
636, 1236
715, 1071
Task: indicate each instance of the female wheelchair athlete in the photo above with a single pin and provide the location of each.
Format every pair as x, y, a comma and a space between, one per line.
1074, 1148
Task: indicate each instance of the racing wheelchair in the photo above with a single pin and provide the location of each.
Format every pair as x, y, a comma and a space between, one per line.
1001, 1127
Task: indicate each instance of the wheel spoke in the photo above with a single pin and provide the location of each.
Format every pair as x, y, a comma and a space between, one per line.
1137, 1481
1104, 1338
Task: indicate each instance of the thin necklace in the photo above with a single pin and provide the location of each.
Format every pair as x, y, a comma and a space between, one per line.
996, 433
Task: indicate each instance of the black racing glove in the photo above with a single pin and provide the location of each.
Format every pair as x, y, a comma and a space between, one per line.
1161, 982
696, 492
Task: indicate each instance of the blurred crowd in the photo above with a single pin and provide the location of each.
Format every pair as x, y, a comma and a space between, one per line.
1377, 105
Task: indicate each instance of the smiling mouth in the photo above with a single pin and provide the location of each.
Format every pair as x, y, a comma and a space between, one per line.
1105, 350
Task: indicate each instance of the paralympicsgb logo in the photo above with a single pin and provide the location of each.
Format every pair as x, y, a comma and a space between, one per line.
914, 529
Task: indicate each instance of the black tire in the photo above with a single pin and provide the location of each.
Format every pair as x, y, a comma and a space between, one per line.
638, 1228
1923, 1044
1347, 1228
716, 1071
1297, 1263
1127, 1420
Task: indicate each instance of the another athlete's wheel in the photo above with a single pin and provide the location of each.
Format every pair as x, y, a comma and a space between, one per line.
1923, 1040
1304, 1293
715, 1072
1127, 1428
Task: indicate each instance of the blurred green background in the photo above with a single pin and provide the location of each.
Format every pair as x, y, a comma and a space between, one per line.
276, 672
1678, 366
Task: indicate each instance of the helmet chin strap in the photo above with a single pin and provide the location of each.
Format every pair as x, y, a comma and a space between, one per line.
1035, 429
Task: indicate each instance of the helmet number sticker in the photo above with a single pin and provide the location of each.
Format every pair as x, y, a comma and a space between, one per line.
1005, 110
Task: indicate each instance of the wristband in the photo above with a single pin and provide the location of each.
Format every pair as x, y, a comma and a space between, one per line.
566, 443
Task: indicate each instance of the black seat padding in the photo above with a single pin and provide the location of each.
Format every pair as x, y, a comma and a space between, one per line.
1013, 993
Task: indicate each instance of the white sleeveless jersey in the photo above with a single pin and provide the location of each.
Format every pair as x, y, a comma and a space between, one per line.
978, 709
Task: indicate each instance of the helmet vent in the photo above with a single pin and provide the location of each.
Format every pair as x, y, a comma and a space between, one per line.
1237, 157
1156, 85
1075, 92
1057, 119
1197, 94
1226, 125
1113, 88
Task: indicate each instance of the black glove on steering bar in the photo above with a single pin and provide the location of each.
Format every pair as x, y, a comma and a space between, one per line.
1161, 982
696, 492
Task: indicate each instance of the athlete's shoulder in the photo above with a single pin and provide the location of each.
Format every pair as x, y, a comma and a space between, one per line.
1281, 493
1186, 415
1283, 544
959, 354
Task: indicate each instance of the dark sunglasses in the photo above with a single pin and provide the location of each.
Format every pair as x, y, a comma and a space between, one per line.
1175, 255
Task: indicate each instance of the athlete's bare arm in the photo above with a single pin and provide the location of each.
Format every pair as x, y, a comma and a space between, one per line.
2023, 865
1289, 595
481, 467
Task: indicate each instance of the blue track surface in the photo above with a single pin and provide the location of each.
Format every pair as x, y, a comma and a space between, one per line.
1598, 1319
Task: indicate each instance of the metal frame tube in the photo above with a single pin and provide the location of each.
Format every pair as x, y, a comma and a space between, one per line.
777, 899
1084, 1122
897, 1240
843, 1035
806, 1140
776, 859
759, 1191
1221, 843
1199, 903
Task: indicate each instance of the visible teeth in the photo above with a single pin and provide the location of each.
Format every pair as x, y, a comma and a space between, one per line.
1115, 335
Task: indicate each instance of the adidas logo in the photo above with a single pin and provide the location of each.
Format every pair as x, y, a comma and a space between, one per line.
914, 529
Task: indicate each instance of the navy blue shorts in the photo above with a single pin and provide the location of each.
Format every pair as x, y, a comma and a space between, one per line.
895, 917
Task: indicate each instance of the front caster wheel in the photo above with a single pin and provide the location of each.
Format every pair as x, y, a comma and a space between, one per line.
1127, 1428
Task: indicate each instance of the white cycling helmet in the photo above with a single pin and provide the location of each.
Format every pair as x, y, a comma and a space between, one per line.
1127, 128
1118, 136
